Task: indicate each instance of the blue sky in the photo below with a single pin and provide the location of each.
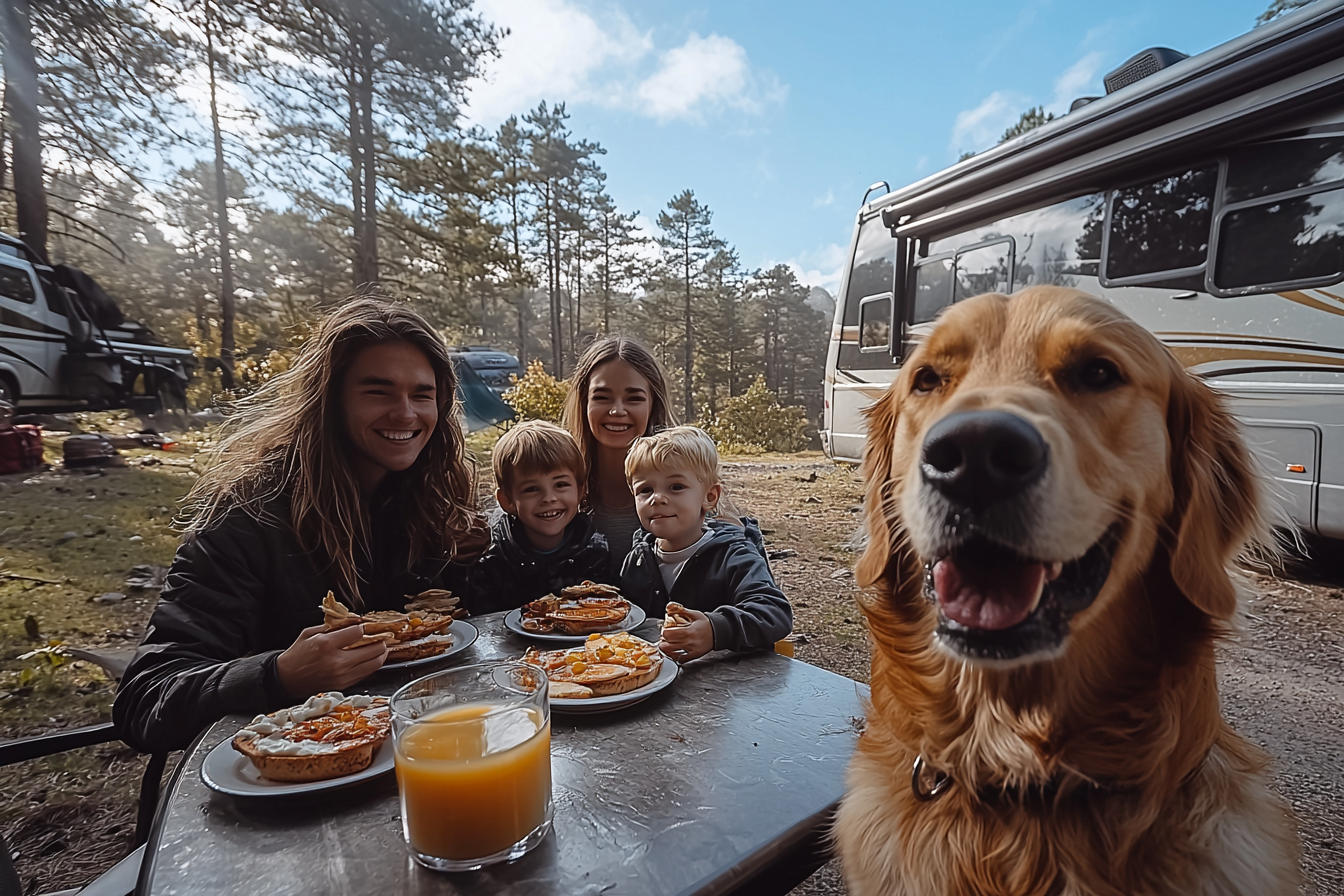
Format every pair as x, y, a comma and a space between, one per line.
780, 114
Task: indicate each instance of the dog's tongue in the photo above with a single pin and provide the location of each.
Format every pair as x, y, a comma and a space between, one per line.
994, 596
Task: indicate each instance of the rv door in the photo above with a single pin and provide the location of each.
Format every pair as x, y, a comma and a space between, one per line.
866, 318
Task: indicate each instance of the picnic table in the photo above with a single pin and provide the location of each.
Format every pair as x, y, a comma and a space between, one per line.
723, 783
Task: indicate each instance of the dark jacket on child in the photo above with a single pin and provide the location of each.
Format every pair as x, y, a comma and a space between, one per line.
728, 579
512, 572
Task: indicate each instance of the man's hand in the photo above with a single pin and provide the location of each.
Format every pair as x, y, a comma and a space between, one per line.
684, 643
317, 661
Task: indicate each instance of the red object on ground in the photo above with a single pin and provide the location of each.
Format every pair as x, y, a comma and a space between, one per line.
20, 449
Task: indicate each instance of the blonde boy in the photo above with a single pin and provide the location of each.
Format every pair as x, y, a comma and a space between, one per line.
540, 541
716, 570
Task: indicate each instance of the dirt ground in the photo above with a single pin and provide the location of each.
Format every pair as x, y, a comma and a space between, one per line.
69, 817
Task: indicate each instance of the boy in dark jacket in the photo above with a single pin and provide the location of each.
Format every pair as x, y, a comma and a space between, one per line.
716, 570
540, 541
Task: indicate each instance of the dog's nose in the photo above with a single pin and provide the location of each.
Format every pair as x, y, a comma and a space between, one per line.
976, 458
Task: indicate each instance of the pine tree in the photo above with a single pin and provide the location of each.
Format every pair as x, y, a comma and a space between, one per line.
687, 241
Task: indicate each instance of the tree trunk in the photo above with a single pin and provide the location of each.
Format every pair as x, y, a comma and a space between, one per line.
30, 194
356, 179
690, 336
522, 327
552, 281
368, 249
226, 307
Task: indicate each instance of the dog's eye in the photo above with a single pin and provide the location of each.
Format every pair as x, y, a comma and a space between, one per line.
927, 380
1099, 374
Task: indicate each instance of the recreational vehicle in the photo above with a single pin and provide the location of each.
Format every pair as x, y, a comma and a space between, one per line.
1204, 196
65, 346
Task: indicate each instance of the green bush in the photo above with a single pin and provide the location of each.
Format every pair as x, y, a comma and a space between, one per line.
755, 422
538, 395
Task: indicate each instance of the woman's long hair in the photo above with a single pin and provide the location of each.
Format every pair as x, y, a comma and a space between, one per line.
289, 439
575, 416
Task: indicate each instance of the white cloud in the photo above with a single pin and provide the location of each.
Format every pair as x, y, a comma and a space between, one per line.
1079, 79
554, 50
575, 52
706, 74
980, 128
828, 199
822, 267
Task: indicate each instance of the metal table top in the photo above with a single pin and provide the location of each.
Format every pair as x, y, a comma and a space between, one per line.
722, 783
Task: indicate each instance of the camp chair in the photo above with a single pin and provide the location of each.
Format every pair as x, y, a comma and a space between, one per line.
110, 883
120, 879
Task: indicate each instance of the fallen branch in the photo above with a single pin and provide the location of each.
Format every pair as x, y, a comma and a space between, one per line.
14, 575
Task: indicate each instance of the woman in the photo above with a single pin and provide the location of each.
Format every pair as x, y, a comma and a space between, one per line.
345, 473
617, 394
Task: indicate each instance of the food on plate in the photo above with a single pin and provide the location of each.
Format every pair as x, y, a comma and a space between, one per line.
328, 736
415, 634
604, 665
676, 616
577, 610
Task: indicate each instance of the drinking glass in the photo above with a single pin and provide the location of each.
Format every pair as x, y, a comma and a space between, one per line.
473, 757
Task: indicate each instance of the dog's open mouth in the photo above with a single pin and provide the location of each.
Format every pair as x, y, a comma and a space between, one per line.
995, 604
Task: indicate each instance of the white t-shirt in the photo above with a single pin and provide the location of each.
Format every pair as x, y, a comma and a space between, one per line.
670, 563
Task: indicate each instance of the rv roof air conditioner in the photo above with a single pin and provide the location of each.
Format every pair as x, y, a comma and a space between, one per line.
1140, 66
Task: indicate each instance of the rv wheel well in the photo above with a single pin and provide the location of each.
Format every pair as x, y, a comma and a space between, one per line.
9, 388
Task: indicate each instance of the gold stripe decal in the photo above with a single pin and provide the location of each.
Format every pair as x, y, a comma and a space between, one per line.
1302, 298
1195, 355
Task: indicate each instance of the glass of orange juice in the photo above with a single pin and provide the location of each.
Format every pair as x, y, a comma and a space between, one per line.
473, 755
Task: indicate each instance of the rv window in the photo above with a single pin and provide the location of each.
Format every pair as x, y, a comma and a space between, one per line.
874, 269
16, 284
1269, 168
984, 269
1282, 242
1160, 227
875, 324
933, 288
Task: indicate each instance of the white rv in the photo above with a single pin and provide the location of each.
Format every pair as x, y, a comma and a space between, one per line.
1204, 196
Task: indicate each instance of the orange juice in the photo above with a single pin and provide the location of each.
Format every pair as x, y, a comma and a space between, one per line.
474, 779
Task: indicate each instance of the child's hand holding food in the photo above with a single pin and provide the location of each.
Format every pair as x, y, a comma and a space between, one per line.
687, 634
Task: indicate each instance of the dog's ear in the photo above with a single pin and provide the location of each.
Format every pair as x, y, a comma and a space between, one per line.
883, 416
1217, 499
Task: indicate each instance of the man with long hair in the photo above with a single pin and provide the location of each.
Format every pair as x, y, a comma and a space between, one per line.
346, 473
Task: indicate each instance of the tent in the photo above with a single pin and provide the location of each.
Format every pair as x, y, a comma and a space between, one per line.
481, 407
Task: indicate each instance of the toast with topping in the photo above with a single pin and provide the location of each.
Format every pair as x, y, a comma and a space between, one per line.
603, 666
328, 736
577, 610
407, 634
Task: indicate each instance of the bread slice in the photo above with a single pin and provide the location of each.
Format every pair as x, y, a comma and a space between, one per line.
327, 737
416, 650
302, 769
606, 665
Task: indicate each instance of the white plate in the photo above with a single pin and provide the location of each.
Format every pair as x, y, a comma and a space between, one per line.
464, 635
514, 623
228, 771
667, 674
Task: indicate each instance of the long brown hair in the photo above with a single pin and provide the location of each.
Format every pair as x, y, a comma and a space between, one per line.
575, 416
289, 439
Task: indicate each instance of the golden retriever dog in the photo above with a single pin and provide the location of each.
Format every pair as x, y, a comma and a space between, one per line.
1052, 507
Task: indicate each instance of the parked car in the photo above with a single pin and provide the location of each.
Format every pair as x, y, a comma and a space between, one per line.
494, 366
65, 345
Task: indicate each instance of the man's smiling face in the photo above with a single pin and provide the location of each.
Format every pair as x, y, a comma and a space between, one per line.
391, 407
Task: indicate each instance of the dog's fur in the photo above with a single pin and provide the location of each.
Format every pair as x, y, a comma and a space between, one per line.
1106, 767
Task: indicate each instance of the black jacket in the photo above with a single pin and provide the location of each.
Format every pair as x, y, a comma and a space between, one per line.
512, 572
728, 579
236, 596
